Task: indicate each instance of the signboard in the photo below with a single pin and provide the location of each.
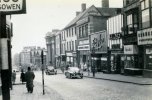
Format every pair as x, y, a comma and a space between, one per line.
130, 49
99, 42
12, 6
144, 36
149, 51
84, 47
4, 52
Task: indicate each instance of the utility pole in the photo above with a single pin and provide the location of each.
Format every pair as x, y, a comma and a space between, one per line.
42, 58
5, 72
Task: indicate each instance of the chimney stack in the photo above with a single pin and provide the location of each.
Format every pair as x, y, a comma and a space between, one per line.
105, 3
83, 7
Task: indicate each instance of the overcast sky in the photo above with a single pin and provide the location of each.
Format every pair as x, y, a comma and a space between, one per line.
44, 15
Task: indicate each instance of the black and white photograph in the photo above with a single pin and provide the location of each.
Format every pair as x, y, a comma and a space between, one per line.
75, 49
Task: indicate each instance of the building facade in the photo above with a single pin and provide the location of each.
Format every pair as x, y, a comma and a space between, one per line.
51, 47
31, 57
132, 52
115, 44
58, 49
144, 36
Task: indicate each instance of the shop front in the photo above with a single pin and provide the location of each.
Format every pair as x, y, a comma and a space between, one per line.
99, 51
71, 60
131, 66
145, 42
84, 54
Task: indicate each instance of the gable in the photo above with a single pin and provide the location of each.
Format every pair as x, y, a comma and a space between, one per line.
92, 11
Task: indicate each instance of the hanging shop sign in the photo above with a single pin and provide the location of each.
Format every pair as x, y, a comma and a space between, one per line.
12, 6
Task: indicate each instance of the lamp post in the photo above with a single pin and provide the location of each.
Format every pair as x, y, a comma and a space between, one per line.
93, 64
42, 58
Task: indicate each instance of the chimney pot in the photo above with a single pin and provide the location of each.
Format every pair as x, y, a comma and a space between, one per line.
105, 3
83, 7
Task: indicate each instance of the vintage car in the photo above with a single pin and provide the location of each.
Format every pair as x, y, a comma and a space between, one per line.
50, 70
73, 72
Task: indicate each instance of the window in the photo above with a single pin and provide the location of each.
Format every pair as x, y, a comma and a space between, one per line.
67, 46
86, 29
145, 18
72, 31
75, 31
72, 45
80, 34
67, 32
83, 34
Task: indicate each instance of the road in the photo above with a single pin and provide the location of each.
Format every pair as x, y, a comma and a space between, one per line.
94, 89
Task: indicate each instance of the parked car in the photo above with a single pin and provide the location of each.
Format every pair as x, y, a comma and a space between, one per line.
73, 72
50, 70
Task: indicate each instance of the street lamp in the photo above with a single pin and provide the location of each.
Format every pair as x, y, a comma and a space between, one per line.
42, 58
93, 64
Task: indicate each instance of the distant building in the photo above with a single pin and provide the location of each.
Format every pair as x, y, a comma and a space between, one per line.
31, 57
51, 47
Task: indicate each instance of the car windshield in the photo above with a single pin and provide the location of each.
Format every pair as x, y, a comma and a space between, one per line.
50, 68
74, 68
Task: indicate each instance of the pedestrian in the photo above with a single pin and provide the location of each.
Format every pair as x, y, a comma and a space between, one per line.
22, 76
29, 77
13, 77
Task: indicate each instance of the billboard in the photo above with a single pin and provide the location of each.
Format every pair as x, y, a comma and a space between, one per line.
12, 6
99, 42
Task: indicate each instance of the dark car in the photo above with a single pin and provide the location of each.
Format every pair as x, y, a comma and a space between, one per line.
50, 70
73, 72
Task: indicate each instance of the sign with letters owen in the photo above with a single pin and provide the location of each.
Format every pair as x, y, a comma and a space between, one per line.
12, 6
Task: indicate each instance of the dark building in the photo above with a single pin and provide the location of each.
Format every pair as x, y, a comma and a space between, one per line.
144, 37
133, 54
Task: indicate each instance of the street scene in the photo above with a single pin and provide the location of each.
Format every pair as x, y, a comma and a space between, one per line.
75, 50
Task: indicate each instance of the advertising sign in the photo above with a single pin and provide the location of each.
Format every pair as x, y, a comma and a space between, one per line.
130, 49
144, 36
99, 42
12, 6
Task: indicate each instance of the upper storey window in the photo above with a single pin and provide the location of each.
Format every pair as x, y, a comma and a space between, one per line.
145, 13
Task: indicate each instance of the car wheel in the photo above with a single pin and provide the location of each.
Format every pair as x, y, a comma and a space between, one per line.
70, 76
81, 76
66, 75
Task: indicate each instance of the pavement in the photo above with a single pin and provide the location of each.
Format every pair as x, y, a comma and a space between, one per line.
19, 92
138, 80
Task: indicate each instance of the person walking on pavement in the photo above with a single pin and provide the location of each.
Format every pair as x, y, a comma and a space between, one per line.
29, 77
13, 77
22, 76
